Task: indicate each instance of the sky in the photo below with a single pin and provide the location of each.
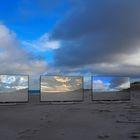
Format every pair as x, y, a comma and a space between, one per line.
135, 79
10, 83
60, 83
69, 37
109, 83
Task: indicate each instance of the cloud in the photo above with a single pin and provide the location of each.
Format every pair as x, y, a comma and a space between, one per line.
42, 44
119, 83
15, 59
60, 83
115, 84
9, 83
98, 85
100, 33
62, 79
135, 79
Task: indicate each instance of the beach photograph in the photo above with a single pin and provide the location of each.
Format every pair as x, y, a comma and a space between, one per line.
13, 88
110, 88
61, 88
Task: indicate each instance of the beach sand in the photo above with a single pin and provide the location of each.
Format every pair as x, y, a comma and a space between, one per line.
111, 96
88, 120
15, 96
62, 96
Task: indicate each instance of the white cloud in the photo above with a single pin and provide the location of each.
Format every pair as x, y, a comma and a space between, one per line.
8, 83
124, 86
17, 60
43, 43
132, 59
7, 37
98, 85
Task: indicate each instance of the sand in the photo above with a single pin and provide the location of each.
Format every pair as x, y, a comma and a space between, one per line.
88, 120
111, 96
15, 96
62, 96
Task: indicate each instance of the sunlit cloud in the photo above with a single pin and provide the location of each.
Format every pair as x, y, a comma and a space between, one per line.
60, 84
62, 79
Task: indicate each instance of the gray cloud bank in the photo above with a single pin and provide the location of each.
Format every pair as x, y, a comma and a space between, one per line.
118, 81
99, 33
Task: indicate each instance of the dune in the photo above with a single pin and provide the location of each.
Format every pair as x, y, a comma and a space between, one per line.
76, 95
135, 86
14, 96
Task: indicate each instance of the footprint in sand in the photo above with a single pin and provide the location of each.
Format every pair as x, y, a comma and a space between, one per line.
103, 136
24, 131
104, 110
73, 109
35, 131
27, 133
135, 135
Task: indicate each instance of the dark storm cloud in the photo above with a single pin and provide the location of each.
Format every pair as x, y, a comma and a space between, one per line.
98, 31
118, 81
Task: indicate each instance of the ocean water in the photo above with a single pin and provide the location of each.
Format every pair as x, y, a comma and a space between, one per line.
34, 92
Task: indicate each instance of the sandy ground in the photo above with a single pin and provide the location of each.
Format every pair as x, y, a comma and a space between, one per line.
111, 96
88, 120
62, 96
15, 96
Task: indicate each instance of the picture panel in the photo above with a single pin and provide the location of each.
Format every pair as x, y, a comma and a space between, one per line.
61, 88
13, 88
110, 88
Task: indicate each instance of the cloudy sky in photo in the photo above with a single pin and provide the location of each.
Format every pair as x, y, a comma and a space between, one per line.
80, 37
12, 83
109, 83
60, 83
135, 79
